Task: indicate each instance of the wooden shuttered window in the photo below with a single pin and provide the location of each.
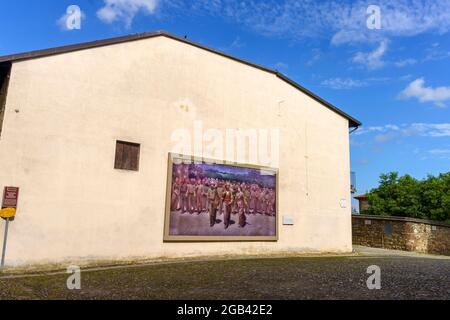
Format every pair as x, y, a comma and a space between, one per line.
127, 156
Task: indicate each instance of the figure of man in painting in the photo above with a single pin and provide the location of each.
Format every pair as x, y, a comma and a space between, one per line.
267, 203
227, 198
175, 205
204, 195
191, 196
234, 190
253, 199
185, 172
179, 172
213, 201
183, 196
273, 202
198, 198
247, 195
220, 191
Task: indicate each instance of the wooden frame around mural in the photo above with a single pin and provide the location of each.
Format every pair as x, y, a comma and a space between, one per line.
184, 159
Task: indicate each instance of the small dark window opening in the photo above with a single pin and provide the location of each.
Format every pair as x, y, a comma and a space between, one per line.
5, 70
127, 156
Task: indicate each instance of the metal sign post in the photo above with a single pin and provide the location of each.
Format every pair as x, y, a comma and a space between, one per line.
8, 211
5, 238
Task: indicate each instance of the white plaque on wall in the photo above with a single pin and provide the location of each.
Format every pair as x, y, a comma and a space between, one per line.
288, 221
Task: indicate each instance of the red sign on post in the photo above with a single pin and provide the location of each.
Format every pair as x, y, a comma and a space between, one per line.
10, 197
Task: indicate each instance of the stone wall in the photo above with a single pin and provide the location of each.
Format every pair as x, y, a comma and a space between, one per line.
401, 234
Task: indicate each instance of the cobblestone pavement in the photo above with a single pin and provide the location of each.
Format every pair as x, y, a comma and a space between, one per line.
402, 277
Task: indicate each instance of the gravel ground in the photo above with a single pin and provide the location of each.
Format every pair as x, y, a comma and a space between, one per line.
402, 277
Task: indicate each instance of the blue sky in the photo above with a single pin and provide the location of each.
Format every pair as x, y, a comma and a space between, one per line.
396, 79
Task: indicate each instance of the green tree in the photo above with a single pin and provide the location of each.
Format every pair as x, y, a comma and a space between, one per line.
408, 197
435, 195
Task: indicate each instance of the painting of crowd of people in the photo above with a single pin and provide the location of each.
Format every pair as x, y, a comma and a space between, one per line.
221, 197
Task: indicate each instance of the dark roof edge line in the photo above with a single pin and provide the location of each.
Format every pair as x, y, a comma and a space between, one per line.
353, 123
77, 47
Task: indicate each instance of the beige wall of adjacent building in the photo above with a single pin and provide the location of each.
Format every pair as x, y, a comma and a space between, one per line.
64, 114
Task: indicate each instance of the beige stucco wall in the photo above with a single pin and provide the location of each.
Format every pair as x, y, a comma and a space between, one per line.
59, 149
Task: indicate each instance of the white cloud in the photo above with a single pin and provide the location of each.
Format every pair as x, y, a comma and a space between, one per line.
281, 65
125, 10
307, 19
349, 36
372, 129
443, 154
386, 132
237, 43
374, 59
383, 137
398, 18
435, 53
316, 56
406, 77
392, 127
405, 63
418, 90
340, 83
440, 151
439, 130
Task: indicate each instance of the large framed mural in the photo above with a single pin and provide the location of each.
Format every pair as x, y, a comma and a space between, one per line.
208, 200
